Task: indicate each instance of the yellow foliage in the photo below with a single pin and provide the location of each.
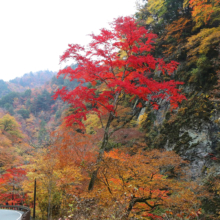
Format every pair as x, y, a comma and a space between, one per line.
92, 122
9, 125
123, 54
185, 3
149, 20
155, 7
142, 118
203, 41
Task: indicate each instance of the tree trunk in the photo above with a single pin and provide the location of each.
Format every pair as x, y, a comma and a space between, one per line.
101, 151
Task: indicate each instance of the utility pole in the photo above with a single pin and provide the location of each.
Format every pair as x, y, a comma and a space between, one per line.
35, 185
13, 189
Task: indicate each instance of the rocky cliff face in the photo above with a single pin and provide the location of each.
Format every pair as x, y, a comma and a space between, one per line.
192, 131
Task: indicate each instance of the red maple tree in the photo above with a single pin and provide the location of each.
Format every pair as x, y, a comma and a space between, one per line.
120, 60
10, 186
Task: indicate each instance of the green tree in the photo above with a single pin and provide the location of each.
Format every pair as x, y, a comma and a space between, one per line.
24, 113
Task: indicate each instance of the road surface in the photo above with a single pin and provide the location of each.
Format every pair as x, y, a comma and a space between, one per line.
10, 214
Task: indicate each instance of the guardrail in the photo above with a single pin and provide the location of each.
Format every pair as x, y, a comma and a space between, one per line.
27, 212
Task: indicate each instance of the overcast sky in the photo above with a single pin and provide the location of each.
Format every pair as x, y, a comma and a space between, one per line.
34, 33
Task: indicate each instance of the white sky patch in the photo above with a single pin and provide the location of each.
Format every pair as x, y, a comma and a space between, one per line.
34, 33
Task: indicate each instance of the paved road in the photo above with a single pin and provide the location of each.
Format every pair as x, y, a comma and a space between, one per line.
10, 214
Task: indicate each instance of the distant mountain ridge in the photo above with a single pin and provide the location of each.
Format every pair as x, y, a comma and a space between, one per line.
27, 81
33, 80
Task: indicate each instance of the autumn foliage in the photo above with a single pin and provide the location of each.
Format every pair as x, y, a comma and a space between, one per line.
144, 182
120, 59
12, 173
101, 156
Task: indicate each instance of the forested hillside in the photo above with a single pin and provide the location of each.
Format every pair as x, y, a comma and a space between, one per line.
33, 80
131, 131
27, 81
34, 108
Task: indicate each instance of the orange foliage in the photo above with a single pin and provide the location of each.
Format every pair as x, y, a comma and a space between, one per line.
203, 9
175, 30
145, 181
72, 147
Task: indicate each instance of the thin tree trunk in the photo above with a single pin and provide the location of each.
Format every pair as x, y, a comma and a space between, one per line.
49, 201
107, 134
101, 152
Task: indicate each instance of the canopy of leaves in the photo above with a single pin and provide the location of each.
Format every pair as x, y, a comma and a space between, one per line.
9, 125
128, 75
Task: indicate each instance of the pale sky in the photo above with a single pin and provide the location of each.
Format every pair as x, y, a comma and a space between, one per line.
34, 33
